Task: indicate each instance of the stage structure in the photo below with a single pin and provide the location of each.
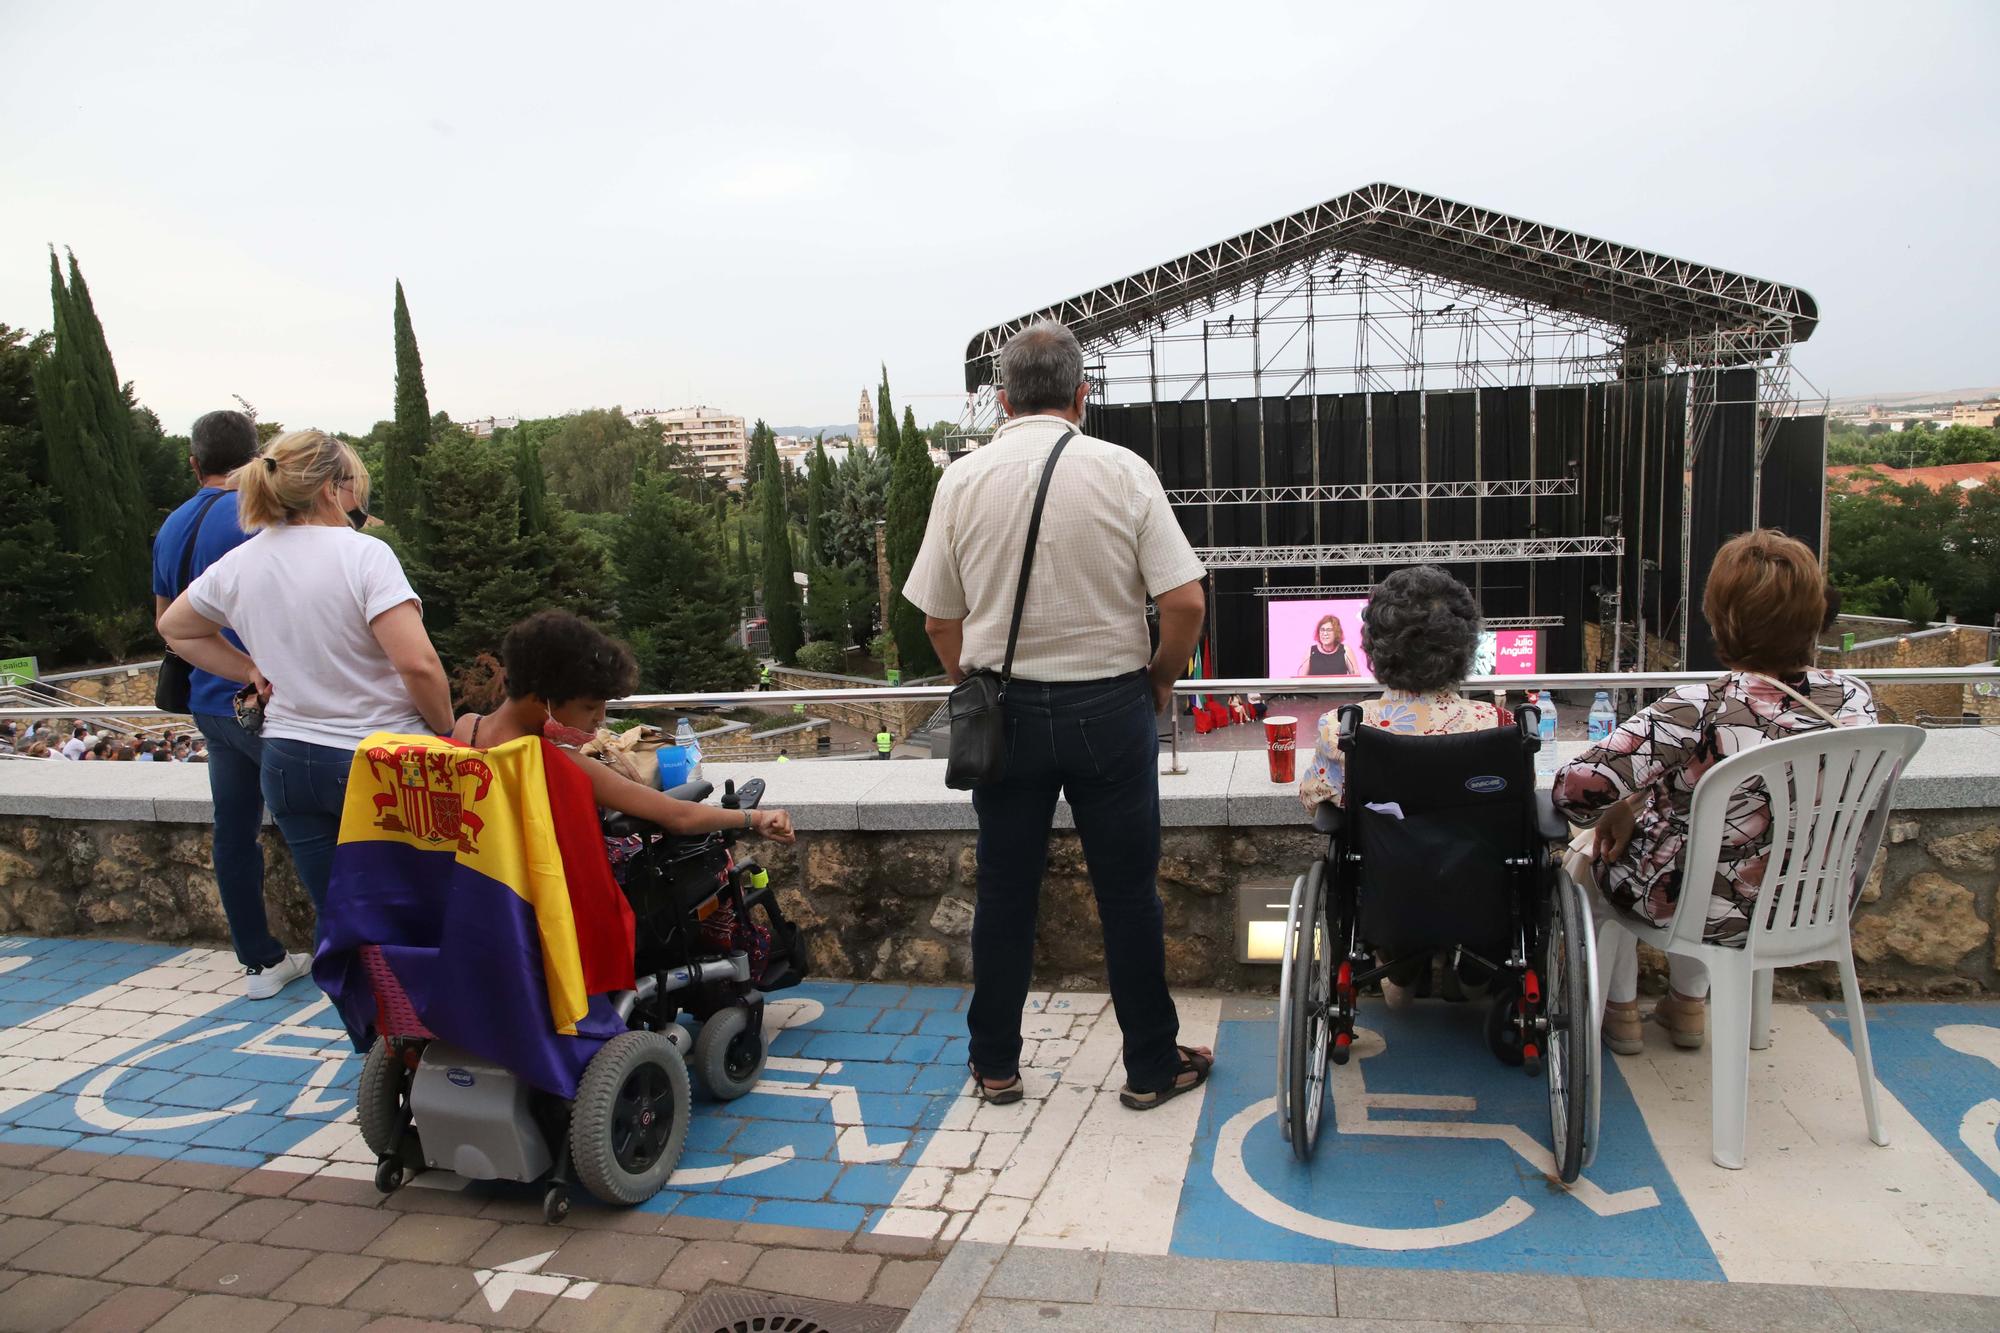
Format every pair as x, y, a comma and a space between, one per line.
1569, 425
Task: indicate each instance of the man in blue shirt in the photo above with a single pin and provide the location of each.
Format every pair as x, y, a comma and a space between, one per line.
223, 442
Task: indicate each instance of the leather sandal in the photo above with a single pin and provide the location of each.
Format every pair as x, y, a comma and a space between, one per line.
1192, 1061
1004, 1095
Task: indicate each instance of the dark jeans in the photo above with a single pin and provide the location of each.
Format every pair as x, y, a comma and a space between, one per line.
305, 785
1097, 743
235, 760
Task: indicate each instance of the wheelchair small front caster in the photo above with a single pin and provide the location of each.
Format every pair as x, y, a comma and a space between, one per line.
555, 1204
1342, 1046
388, 1175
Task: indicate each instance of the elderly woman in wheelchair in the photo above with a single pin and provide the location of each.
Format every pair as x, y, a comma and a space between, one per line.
1436, 841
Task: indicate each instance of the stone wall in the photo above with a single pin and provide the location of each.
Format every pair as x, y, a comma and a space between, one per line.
116, 687
902, 718
1942, 646
740, 742
898, 905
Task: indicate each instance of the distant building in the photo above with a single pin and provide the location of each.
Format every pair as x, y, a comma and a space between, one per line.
484, 427
713, 439
1976, 414
1962, 477
866, 429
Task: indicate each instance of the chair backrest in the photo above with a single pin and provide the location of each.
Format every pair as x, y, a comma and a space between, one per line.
1829, 793
1437, 820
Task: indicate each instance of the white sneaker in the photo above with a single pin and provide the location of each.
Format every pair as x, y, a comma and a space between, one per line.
265, 982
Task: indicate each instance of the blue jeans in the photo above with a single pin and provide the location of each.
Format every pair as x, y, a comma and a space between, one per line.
306, 785
1098, 743
235, 759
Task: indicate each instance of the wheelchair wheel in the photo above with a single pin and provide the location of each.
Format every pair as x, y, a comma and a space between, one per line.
1503, 1028
630, 1117
1311, 1023
1285, 982
728, 1053
379, 1098
1566, 999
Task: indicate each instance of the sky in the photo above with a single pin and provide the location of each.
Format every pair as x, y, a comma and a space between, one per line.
756, 206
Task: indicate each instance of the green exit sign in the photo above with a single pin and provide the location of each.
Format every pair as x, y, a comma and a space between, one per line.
18, 670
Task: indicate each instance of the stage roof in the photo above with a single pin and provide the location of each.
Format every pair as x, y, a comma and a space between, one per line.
1694, 313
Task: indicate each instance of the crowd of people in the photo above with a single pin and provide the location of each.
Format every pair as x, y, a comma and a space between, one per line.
40, 740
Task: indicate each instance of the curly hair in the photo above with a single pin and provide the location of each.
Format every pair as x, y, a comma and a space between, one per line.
1420, 630
557, 656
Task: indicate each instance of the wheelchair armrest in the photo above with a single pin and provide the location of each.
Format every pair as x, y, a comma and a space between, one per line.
1329, 818
1548, 820
696, 791
627, 826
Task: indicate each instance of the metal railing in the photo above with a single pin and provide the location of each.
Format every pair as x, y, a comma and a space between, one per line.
1642, 681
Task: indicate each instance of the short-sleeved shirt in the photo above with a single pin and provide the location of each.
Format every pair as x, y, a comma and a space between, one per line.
303, 597
1108, 541
219, 535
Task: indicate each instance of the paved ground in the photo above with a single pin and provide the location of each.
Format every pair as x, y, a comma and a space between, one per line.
170, 1155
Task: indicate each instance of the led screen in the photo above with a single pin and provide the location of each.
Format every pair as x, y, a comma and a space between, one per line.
1322, 637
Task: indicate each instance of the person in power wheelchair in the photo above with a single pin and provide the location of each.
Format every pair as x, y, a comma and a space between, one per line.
520, 1008
1436, 841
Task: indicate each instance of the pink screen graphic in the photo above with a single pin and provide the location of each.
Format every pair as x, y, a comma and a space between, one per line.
1295, 644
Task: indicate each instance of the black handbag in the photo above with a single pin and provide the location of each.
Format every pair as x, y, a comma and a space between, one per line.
978, 728
172, 687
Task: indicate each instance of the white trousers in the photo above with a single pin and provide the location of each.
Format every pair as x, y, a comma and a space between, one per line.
1620, 972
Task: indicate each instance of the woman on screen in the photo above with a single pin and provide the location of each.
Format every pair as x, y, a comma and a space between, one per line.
1328, 654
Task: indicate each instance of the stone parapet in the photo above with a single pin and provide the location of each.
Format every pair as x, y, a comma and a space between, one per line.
901, 718
884, 869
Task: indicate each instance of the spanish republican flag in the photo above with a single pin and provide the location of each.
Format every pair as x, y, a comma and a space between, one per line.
481, 876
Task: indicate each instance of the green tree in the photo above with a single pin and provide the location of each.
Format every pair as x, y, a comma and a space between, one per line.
671, 597
404, 500
761, 438
476, 572
165, 479
594, 457
819, 505
38, 593
911, 486
1906, 533
886, 440
86, 439
781, 591
746, 584
860, 492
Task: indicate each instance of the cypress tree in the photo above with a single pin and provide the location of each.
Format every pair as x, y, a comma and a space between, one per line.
819, 495
885, 422
743, 579
781, 592
534, 484
38, 591
403, 496
86, 431
911, 485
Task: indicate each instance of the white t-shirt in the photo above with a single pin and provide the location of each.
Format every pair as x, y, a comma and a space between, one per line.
74, 748
302, 598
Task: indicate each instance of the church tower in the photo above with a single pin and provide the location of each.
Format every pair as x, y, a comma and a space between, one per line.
866, 430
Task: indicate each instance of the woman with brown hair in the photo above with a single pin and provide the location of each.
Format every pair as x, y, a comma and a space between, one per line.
1328, 654
1766, 602
333, 636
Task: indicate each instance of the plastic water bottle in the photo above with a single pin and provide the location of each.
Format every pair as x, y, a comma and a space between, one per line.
684, 737
1545, 758
1603, 718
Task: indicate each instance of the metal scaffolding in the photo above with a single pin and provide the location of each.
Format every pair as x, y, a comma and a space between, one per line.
1406, 553
1390, 490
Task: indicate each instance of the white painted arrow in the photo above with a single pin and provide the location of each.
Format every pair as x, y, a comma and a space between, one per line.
502, 1283
18, 960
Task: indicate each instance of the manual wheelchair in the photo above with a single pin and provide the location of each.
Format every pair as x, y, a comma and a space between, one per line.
1444, 844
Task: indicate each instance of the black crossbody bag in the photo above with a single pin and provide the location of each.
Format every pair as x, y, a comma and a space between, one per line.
978, 726
171, 688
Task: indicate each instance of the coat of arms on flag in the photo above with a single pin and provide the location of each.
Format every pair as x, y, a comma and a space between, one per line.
430, 796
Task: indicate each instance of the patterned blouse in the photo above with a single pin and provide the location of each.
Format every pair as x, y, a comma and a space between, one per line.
1440, 713
1662, 751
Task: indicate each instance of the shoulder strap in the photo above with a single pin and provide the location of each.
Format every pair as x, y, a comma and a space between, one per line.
1825, 716
1028, 555
187, 555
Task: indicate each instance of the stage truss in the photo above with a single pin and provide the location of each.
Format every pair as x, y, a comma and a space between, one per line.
1406, 553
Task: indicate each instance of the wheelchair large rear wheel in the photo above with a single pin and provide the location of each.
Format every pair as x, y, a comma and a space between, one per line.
1284, 1060
1566, 1002
1310, 1027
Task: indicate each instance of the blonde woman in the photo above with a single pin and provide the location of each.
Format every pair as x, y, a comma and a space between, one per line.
333, 636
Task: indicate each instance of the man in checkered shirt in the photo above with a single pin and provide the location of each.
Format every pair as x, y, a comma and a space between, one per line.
1081, 709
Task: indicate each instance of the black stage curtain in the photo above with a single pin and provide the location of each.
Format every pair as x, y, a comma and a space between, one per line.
1793, 497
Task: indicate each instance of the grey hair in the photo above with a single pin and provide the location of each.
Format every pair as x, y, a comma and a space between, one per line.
1041, 367
1421, 630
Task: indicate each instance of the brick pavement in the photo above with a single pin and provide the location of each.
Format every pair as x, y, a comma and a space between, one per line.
93, 1242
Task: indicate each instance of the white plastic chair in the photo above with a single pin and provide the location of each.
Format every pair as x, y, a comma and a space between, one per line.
1830, 797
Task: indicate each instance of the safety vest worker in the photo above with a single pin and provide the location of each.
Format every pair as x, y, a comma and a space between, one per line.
883, 740
764, 679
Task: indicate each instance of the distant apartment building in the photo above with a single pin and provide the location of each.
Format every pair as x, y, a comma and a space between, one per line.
484, 427
714, 440
1976, 414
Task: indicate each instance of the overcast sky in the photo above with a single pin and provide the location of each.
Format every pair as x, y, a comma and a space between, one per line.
753, 205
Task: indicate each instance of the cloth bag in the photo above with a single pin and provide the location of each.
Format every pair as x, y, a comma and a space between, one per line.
978, 754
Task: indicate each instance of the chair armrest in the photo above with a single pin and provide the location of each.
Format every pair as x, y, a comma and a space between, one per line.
1329, 818
1548, 820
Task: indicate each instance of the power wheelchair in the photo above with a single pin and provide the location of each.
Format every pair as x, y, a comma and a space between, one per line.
1443, 844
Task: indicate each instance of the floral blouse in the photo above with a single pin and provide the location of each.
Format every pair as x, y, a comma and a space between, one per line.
1440, 713
1662, 751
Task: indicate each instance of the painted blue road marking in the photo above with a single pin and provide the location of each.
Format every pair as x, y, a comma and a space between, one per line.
1432, 1199
1942, 1062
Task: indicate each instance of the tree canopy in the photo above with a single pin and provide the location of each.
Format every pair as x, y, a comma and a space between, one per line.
402, 503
